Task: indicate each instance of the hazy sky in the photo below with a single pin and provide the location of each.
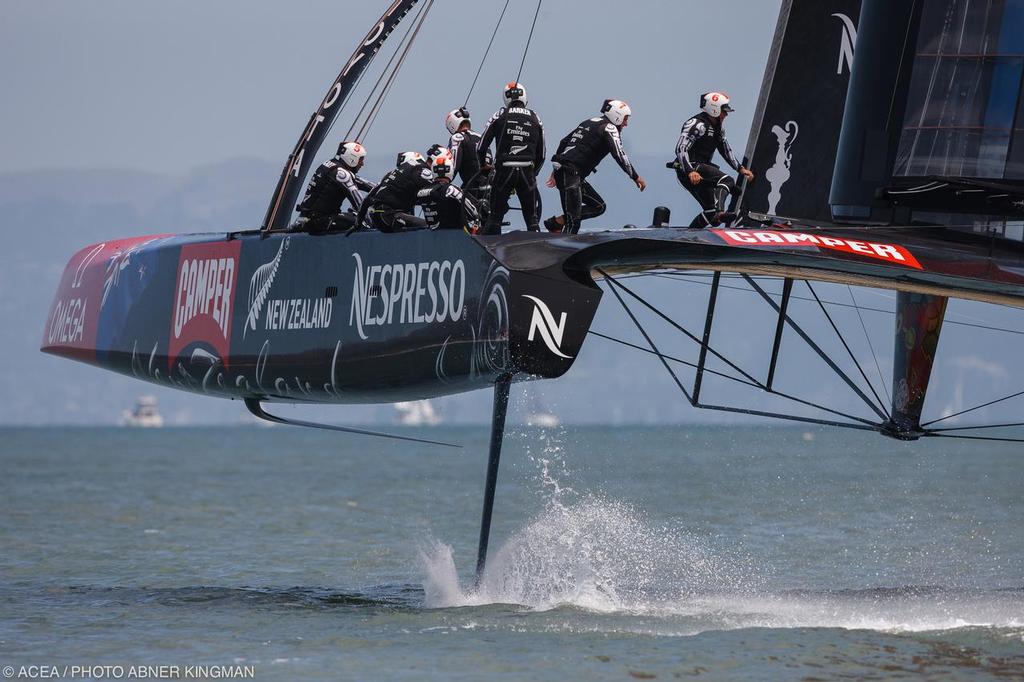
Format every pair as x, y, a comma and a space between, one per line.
168, 86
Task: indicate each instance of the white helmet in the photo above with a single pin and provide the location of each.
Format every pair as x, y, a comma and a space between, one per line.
514, 92
410, 158
714, 103
455, 118
616, 111
435, 151
443, 165
351, 153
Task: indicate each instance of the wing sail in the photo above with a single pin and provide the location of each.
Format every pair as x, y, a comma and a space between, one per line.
799, 112
295, 169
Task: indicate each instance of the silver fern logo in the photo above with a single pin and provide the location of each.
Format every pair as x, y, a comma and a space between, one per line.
259, 287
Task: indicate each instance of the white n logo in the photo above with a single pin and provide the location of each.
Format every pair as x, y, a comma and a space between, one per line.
847, 43
544, 322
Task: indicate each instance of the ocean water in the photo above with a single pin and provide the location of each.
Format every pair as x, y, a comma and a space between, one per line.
718, 553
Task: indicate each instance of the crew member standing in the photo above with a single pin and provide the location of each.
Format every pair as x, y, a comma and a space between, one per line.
518, 137
578, 155
445, 206
464, 144
334, 182
700, 137
390, 206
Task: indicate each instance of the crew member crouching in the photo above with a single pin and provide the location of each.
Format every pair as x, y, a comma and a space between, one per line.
445, 206
390, 206
578, 155
334, 182
700, 137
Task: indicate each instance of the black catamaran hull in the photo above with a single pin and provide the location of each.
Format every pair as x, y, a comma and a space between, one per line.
379, 318
296, 317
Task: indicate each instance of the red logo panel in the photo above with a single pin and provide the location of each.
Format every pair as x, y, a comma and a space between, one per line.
890, 253
71, 326
204, 294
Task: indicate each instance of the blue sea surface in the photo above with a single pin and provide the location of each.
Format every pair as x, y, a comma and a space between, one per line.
720, 553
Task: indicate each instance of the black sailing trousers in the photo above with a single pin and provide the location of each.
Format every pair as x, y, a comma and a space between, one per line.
710, 193
388, 219
508, 179
580, 200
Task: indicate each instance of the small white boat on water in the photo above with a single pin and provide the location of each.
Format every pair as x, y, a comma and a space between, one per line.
416, 413
539, 415
543, 420
144, 414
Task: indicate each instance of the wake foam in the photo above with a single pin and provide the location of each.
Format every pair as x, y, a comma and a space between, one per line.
596, 554
605, 557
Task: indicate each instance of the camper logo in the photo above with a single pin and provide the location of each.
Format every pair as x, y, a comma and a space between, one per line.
890, 253
543, 322
847, 42
203, 296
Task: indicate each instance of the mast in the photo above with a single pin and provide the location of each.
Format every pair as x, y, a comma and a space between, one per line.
297, 167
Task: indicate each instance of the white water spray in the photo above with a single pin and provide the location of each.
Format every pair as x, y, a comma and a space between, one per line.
595, 554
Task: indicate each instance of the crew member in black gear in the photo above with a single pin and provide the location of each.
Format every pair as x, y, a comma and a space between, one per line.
445, 206
334, 182
464, 144
390, 206
578, 155
518, 137
700, 137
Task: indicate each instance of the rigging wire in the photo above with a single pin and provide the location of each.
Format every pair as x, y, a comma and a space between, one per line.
752, 384
527, 48
614, 285
650, 342
931, 434
693, 365
692, 279
675, 324
750, 381
817, 349
384, 71
486, 52
981, 426
849, 351
867, 337
972, 409
372, 116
